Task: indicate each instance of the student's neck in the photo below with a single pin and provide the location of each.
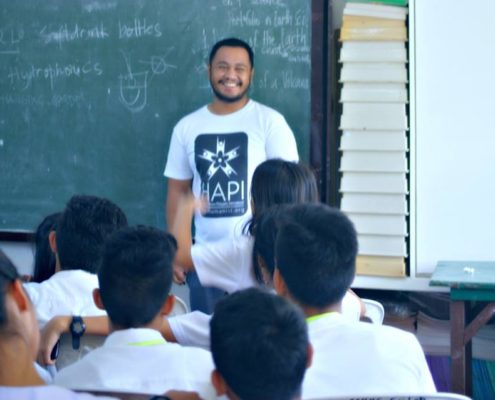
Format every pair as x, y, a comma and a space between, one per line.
313, 311
16, 362
155, 324
220, 107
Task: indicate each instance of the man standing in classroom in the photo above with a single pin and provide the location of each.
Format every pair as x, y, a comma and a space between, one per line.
215, 150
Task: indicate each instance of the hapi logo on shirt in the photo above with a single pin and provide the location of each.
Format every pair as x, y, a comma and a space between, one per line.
221, 161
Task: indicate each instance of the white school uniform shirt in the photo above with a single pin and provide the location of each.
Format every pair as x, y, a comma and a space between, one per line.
227, 263
193, 329
45, 392
140, 360
67, 292
358, 358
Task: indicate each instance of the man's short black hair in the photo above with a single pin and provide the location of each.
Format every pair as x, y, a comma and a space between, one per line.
8, 274
316, 250
135, 275
259, 344
232, 42
82, 229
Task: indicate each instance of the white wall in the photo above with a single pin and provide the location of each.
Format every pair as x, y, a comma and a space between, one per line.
455, 133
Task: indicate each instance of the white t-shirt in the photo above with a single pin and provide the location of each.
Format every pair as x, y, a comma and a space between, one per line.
220, 153
140, 360
45, 392
68, 292
358, 358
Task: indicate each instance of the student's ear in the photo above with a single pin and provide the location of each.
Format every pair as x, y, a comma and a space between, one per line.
19, 295
310, 356
218, 383
52, 240
168, 305
97, 299
279, 284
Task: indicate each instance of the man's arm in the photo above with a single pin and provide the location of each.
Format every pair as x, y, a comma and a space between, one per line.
176, 189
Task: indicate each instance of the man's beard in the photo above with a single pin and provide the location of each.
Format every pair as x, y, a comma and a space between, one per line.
229, 99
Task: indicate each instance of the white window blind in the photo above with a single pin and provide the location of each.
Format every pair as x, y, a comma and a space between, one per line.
374, 162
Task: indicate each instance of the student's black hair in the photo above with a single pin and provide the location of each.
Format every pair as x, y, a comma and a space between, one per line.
264, 242
316, 250
44, 259
277, 181
8, 274
82, 229
135, 275
259, 344
232, 42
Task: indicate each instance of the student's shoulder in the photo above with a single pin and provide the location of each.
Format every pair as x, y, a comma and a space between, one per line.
391, 335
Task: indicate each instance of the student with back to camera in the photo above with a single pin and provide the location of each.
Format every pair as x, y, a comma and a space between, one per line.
260, 347
315, 249
135, 277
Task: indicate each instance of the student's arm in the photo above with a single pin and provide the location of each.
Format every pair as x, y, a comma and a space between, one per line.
52, 331
362, 307
167, 332
182, 395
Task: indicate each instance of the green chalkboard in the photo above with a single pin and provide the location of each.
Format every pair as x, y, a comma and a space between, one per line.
90, 91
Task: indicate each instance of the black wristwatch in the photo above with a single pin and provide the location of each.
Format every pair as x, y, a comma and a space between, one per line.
77, 329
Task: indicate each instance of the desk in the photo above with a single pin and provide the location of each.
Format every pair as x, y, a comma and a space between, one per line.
469, 282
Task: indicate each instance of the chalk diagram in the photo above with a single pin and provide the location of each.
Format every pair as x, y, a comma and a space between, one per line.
134, 85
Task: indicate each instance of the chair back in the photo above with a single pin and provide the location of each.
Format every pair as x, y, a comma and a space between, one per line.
67, 355
180, 307
374, 311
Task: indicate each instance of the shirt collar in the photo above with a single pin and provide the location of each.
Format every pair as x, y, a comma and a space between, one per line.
135, 337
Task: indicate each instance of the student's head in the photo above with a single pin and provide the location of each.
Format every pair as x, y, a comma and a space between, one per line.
231, 68
278, 181
135, 276
260, 348
44, 258
17, 315
316, 250
82, 229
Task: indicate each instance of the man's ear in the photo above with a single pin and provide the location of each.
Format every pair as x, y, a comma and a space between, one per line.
52, 240
97, 299
252, 73
168, 305
279, 284
218, 383
19, 295
310, 356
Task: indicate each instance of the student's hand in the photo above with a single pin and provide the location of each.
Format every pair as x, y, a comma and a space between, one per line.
50, 335
182, 395
179, 275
